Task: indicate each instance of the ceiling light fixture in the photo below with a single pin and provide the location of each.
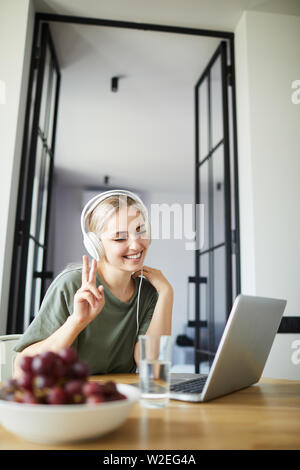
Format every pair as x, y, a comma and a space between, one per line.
114, 84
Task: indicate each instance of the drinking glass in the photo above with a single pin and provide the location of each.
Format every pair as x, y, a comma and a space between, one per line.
154, 370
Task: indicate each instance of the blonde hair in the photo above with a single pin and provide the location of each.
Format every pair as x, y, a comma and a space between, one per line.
109, 206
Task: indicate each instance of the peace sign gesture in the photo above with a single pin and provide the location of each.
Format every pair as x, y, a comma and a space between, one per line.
89, 299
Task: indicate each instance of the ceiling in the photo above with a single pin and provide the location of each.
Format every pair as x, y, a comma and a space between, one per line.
210, 14
142, 137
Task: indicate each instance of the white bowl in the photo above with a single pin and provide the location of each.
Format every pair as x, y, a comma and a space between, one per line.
56, 424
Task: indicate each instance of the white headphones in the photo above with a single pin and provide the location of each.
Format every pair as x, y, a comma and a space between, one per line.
91, 242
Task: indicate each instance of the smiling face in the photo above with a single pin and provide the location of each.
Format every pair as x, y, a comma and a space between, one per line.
125, 239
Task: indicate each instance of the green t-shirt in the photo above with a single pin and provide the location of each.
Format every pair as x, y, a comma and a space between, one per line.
107, 343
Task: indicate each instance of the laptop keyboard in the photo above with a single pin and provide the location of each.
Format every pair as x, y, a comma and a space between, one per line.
189, 386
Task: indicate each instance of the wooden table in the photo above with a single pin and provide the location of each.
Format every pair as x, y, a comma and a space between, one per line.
263, 416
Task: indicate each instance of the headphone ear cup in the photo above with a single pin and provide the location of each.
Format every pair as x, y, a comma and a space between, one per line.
93, 246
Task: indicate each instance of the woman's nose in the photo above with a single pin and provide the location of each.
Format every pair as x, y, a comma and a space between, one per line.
134, 241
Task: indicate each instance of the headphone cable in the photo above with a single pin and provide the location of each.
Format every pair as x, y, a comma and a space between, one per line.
138, 303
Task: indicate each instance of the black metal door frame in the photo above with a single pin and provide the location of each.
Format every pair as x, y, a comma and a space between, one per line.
32, 132
207, 350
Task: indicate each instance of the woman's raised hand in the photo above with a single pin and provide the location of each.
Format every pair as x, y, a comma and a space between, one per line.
89, 299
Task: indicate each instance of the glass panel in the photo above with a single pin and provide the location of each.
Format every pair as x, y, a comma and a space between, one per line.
49, 100
204, 199
210, 313
27, 150
203, 120
191, 308
234, 281
231, 153
42, 178
219, 267
36, 296
36, 282
216, 103
232, 191
29, 283
204, 304
51, 113
36, 187
36, 300
218, 196
44, 198
33, 285
47, 72
32, 101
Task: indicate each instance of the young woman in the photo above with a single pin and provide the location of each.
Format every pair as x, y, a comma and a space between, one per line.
97, 309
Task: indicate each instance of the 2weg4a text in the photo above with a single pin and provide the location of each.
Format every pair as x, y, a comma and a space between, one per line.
155, 459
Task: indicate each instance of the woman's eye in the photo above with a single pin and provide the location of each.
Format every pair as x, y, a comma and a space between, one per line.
125, 238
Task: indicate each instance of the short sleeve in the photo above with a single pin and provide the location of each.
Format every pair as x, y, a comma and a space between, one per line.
57, 305
148, 314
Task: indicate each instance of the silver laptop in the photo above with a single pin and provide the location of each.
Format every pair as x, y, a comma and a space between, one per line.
242, 352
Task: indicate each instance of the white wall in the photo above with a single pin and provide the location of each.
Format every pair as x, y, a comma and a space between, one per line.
16, 31
267, 62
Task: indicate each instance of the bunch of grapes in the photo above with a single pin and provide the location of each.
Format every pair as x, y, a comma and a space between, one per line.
57, 379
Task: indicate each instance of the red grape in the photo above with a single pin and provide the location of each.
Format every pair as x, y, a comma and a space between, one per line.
73, 390
57, 396
80, 370
44, 381
60, 370
25, 363
92, 388
112, 397
25, 381
68, 355
44, 363
109, 388
117, 396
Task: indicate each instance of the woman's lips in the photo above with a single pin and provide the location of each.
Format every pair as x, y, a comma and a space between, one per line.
134, 259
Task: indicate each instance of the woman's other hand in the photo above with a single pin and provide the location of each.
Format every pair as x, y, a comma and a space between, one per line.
156, 278
89, 299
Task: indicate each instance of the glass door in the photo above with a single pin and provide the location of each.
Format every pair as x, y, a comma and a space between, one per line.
216, 262
29, 272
